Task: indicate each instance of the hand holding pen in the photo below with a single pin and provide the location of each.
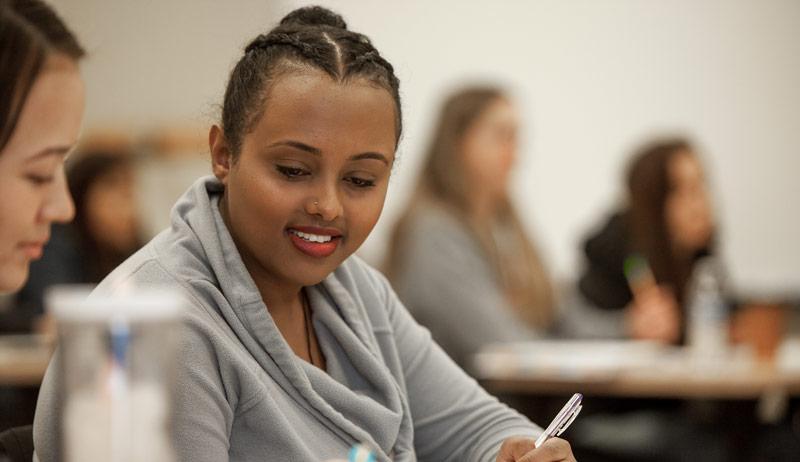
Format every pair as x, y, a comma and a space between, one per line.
653, 314
548, 447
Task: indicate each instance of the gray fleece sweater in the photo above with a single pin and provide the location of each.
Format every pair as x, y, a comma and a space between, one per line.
445, 280
243, 395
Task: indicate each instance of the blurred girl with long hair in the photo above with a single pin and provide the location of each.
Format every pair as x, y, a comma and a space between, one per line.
461, 258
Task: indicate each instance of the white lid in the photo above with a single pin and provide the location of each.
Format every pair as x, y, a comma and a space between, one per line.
74, 303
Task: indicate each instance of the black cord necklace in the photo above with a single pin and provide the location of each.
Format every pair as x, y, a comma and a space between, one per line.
307, 325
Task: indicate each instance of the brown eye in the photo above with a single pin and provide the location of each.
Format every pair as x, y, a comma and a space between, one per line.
40, 180
360, 182
291, 172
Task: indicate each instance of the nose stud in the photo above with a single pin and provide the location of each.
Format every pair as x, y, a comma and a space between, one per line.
316, 202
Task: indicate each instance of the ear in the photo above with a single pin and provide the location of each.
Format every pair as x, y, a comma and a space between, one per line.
221, 156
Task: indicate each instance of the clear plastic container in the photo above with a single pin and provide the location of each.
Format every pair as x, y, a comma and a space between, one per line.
708, 314
116, 357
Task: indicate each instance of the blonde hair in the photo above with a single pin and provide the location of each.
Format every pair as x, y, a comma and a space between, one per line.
519, 270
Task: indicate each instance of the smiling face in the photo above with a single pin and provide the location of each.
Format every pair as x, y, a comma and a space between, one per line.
310, 181
33, 186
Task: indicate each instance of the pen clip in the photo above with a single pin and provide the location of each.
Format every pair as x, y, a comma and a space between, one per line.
568, 422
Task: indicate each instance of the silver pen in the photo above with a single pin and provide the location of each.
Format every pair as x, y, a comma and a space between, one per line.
562, 420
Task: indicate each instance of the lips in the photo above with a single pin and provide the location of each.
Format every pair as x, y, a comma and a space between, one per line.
315, 242
33, 250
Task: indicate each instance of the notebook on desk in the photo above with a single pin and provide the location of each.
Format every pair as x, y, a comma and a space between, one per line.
587, 360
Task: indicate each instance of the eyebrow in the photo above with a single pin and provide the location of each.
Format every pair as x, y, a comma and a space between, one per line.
53, 151
297, 145
317, 152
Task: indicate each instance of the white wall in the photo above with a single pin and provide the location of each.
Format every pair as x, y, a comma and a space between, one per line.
593, 79
152, 62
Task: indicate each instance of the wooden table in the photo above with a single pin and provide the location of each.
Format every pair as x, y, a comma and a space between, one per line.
630, 369
23, 359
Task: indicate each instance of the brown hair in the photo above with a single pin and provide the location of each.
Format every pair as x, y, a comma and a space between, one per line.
84, 171
29, 31
649, 186
444, 183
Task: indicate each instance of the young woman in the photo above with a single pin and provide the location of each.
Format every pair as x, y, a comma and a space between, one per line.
669, 222
461, 260
41, 105
296, 349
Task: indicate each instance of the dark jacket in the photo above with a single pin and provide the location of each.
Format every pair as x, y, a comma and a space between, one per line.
603, 281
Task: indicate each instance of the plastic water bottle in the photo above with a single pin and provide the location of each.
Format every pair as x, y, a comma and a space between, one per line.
707, 313
117, 355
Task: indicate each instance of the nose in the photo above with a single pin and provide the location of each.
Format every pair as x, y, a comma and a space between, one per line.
326, 204
58, 206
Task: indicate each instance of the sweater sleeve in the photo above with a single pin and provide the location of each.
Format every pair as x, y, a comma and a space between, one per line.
454, 418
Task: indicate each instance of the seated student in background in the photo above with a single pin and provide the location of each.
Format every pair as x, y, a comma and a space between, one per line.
460, 258
669, 222
103, 234
295, 349
667, 225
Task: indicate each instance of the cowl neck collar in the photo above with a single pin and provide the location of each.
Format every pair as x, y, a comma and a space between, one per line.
358, 398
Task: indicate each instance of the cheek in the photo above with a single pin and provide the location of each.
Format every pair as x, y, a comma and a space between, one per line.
17, 223
676, 217
18, 216
8, 229
471, 155
507, 156
703, 209
257, 204
488, 161
363, 213
685, 224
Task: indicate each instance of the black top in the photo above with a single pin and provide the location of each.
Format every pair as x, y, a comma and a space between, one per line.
603, 282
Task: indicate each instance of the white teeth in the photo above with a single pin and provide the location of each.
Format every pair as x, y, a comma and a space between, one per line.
311, 237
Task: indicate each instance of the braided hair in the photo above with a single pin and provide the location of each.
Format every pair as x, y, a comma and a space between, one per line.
307, 37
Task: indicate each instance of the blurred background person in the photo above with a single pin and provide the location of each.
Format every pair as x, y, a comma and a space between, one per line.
460, 259
667, 226
640, 282
103, 234
638, 273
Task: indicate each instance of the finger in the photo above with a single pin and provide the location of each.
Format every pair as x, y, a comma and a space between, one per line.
662, 324
658, 303
644, 292
515, 448
553, 450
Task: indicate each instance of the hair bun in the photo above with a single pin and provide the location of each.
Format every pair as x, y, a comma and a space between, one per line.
314, 16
